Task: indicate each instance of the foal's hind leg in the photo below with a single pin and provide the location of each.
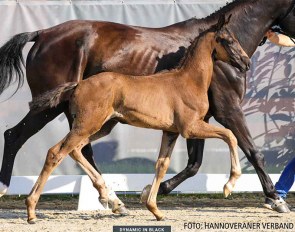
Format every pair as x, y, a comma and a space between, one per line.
18, 135
87, 149
55, 155
94, 176
117, 205
202, 130
167, 145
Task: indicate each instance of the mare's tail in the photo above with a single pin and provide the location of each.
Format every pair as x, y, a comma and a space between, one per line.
11, 59
53, 97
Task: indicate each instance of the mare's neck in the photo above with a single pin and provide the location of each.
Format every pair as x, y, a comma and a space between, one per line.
249, 23
252, 19
191, 28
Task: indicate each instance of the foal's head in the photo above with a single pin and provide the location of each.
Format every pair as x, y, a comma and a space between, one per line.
227, 48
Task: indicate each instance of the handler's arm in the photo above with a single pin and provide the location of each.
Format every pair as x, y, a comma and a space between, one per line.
279, 39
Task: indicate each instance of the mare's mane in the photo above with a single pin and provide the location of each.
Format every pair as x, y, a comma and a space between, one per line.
188, 55
224, 9
228, 7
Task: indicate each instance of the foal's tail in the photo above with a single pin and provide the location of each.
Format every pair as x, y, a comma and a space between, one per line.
11, 59
53, 97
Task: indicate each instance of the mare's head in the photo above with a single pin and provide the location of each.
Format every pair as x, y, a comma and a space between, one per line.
287, 20
227, 47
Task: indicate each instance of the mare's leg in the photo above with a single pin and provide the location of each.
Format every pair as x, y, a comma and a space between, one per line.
237, 124
226, 109
195, 148
202, 130
15, 137
167, 145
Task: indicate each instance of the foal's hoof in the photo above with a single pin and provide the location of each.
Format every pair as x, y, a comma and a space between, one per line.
32, 221
103, 202
118, 207
227, 189
160, 218
145, 193
278, 205
121, 210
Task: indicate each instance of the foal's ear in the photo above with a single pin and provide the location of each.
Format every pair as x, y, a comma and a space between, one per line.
221, 22
228, 19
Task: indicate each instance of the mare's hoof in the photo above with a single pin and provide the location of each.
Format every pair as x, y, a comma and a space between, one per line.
278, 205
103, 202
227, 189
145, 193
32, 221
164, 189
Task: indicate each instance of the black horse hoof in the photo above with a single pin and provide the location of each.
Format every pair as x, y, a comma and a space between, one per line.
278, 205
164, 189
283, 208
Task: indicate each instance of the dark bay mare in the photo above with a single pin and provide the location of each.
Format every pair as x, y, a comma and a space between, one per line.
75, 50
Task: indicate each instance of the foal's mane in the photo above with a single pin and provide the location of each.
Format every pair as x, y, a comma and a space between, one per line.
191, 49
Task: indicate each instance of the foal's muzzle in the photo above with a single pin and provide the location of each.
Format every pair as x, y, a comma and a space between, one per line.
243, 63
247, 62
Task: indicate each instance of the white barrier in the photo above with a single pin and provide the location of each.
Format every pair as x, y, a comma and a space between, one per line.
88, 196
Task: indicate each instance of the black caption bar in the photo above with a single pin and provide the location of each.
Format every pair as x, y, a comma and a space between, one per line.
141, 228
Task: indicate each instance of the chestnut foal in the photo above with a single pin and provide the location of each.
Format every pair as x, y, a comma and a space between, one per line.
175, 102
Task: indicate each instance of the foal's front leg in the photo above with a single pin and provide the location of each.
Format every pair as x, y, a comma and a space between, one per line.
203, 130
167, 145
